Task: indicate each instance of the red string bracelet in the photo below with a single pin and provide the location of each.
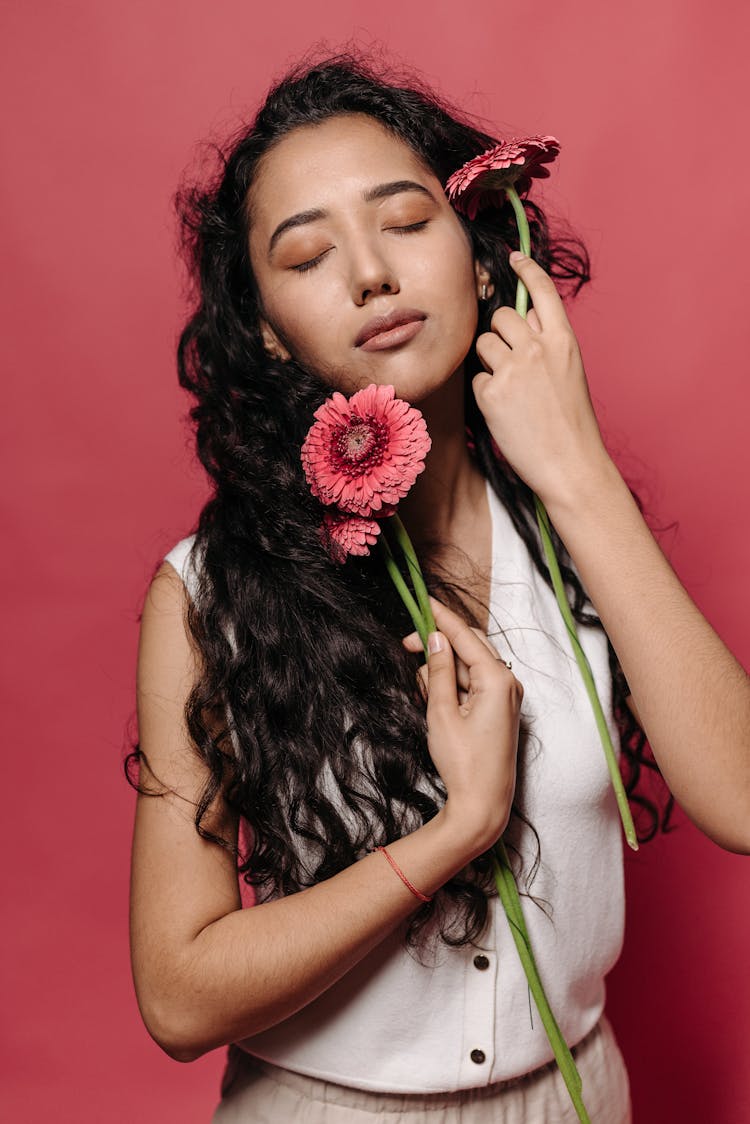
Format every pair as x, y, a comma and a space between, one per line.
404, 879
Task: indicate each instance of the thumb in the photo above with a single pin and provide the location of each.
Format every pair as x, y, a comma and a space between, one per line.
442, 670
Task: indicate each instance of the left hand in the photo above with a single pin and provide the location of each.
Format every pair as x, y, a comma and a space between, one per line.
536, 400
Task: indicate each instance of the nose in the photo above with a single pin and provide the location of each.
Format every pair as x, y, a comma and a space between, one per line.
372, 274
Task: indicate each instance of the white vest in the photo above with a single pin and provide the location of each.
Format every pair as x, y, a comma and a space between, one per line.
395, 1024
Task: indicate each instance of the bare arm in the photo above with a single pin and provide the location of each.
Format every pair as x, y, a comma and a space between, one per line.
208, 972
690, 694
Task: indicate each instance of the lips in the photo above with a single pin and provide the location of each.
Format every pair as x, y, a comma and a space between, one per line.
390, 320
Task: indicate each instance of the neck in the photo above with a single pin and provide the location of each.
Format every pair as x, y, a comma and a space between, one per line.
447, 496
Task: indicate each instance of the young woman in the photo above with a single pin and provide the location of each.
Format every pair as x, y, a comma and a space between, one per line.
285, 718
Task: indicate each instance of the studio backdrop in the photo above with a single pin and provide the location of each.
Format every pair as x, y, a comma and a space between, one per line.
103, 106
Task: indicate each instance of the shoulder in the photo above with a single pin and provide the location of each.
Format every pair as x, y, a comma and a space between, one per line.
184, 560
164, 645
166, 653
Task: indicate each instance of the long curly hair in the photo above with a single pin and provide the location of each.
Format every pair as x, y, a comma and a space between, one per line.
308, 713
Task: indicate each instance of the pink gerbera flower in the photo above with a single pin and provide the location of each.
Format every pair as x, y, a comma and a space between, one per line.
364, 453
343, 534
512, 163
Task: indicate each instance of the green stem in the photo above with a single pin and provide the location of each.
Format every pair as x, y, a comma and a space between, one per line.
588, 678
557, 582
403, 589
508, 893
415, 571
524, 239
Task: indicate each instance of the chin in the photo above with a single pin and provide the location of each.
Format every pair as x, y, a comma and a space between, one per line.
406, 374
421, 392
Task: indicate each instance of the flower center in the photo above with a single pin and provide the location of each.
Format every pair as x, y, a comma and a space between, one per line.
359, 446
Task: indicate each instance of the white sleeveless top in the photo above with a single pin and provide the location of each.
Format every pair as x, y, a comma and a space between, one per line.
465, 1017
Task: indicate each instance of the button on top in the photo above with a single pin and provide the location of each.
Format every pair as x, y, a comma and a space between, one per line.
477, 1056
481, 962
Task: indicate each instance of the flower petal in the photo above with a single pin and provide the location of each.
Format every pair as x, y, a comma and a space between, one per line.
482, 181
365, 452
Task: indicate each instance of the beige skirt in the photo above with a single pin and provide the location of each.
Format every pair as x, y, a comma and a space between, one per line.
255, 1092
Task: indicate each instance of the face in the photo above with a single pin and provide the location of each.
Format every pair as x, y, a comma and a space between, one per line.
348, 227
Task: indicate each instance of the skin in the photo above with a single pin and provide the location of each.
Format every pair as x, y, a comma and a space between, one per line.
363, 259
369, 264
208, 972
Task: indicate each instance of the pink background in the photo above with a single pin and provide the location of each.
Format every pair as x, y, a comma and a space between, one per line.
103, 106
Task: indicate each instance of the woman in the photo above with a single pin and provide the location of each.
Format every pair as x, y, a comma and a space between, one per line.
281, 695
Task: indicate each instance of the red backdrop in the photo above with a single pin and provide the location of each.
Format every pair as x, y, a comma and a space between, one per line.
102, 108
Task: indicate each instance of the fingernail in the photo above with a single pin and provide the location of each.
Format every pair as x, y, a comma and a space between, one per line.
517, 256
435, 642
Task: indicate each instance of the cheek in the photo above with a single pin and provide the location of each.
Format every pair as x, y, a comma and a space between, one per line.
305, 315
291, 320
450, 275
312, 336
450, 265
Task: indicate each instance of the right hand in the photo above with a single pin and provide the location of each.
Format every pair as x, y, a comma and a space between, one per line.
473, 743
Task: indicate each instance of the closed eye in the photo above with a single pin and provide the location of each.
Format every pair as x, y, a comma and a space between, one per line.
304, 266
408, 229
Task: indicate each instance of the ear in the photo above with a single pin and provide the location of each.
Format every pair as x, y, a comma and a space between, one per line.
272, 343
482, 275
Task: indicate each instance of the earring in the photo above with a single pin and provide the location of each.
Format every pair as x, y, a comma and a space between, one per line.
484, 293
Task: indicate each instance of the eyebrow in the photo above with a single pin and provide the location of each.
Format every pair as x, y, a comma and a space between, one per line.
370, 195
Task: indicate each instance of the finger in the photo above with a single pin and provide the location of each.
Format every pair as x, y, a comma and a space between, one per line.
487, 643
462, 679
510, 326
492, 350
479, 657
547, 302
442, 674
463, 676
533, 320
413, 642
479, 383
464, 673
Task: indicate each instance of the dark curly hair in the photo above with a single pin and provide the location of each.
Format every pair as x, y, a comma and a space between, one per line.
308, 713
